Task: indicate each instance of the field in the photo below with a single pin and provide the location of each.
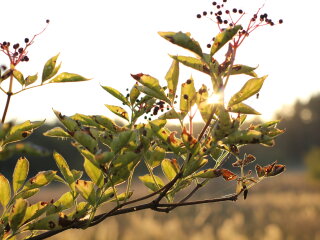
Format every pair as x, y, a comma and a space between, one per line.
286, 207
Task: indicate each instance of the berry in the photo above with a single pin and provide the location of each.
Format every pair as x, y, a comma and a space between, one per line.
214, 3
20, 50
234, 10
189, 81
227, 11
280, 21
198, 15
26, 40
240, 11
16, 46
208, 45
47, 21
185, 96
204, 13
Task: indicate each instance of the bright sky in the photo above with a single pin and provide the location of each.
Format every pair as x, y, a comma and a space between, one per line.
108, 40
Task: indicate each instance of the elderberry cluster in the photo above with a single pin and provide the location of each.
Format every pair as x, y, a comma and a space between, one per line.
17, 52
229, 17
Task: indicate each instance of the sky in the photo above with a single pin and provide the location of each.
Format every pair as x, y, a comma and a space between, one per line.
107, 40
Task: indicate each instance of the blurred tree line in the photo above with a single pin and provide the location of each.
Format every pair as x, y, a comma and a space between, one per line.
302, 126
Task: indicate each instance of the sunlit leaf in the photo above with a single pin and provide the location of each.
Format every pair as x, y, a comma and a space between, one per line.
134, 94
119, 111
94, 173
31, 79
243, 109
68, 77
193, 165
183, 40
172, 78
19, 76
170, 168
52, 222
86, 140
120, 141
86, 190
27, 193
17, 213
20, 173
41, 179
153, 183
116, 94
64, 202
250, 88
155, 156
192, 62
209, 173
151, 86
5, 191
222, 38
243, 69
188, 95
57, 132
63, 167
49, 68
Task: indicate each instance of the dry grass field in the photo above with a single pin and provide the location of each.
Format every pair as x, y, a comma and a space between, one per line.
286, 207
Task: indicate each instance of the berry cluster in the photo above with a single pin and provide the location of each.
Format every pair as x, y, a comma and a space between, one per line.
16, 52
229, 17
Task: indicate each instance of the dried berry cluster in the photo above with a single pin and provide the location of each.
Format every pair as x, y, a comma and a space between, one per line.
228, 17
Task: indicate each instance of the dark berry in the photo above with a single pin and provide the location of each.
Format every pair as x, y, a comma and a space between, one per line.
26, 40
219, 13
204, 13
280, 21
47, 21
225, 21
240, 11
214, 3
185, 96
16, 46
189, 81
20, 50
198, 15
224, 0
227, 11
234, 10
208, 45
218, 6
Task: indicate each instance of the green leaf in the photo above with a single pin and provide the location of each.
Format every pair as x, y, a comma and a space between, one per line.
17, 213
192, 62
31, 79
49, 68
86, 190
209, 173
119, 111
121, 141
134, 94
68, 122
243, 69
106, 122
5, 192
106, 195
68, 77
193, 165
183, 40
222, 38
57, 132
35, 210
122, 197
151, 86
94, 173
155, 156
52, 222
116, 94
170, 168
63, 167
153, 184
172, 78
27, 193
172, 114
64, 202
20, 173
188, 95
41, 179
19, 76
250, 88
243, 109
86, 140
21, 131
